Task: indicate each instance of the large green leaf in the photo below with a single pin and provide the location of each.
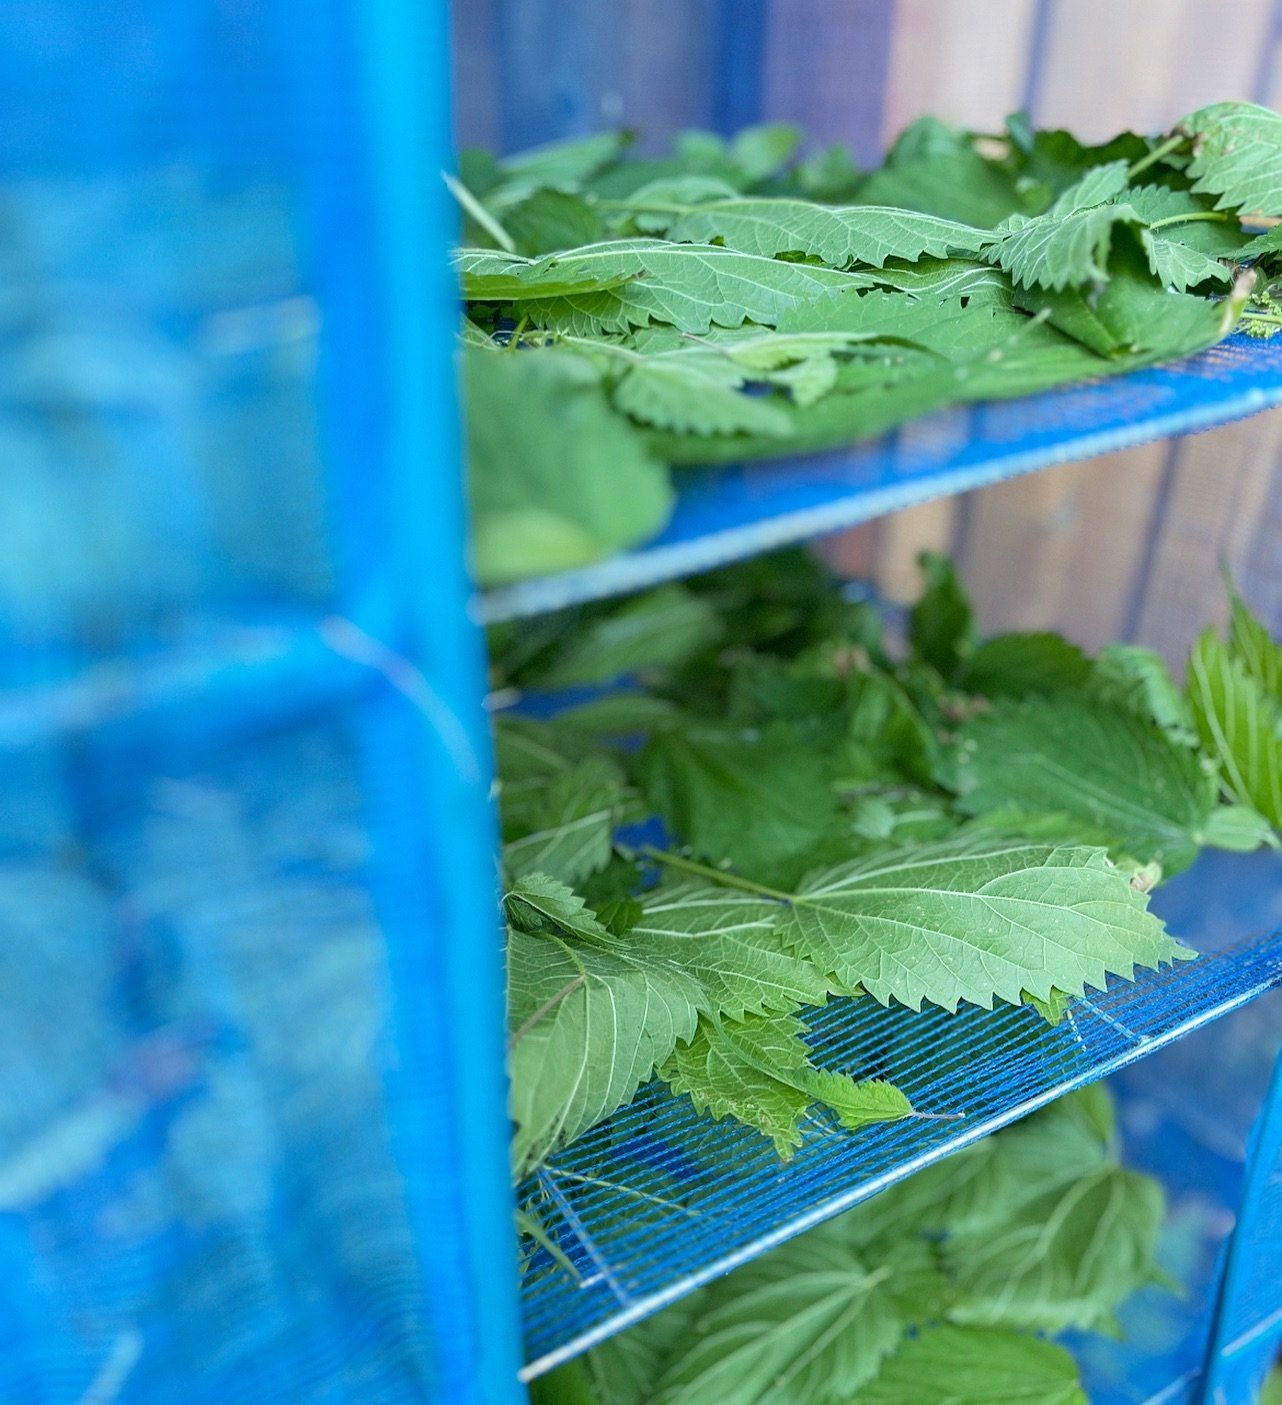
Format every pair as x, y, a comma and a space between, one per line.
1239, 723
625, 283
760, 800
941, 627
976, 920
967, 1366
1054, 1248
557, 479
727, 942
758, 1071
1108, 769
1015, 665
842, 238
806, 1326
1237, 156
590, 1019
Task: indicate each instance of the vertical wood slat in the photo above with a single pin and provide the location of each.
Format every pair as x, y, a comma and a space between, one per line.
966, 62
530, 71
1087, 562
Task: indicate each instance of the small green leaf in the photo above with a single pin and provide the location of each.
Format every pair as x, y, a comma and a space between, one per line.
1251, 644
941, 625
758, 1071
1017, 665
1238, 828
761, 802
1240, 724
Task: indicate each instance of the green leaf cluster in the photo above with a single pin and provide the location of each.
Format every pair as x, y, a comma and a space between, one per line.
742, 299
936, 1290
971, 822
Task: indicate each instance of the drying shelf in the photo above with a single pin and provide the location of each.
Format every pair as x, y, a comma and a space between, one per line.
659, 1200
727, 514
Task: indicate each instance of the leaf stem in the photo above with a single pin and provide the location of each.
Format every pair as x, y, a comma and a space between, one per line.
715, 875
1158, 153
479, 213
1218, 216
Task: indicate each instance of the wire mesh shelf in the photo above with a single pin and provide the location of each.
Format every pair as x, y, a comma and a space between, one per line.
659, 1200
726, 514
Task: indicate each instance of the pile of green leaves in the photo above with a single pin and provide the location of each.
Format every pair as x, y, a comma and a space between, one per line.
734, 302
938, 1289
962, 821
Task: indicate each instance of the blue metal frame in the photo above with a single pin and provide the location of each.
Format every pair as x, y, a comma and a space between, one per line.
430, 749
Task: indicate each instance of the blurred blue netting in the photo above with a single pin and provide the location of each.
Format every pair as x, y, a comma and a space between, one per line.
237, 822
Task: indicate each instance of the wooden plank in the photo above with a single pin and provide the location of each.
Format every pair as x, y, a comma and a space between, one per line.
965, 61
1063, 549
1111, 65
1220, 486
825, 68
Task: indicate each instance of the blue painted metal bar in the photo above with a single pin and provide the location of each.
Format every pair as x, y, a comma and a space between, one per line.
439, 775
727, 514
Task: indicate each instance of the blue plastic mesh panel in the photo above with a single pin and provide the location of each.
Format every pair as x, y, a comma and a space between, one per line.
1248, 1327
725, 514
658, 1199
252, 1138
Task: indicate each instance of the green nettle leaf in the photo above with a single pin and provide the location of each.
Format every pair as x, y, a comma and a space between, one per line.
842, 238
806, 1326
1104, 768
1070, 243
941, 627
726, 941
621, 284
548, 220
976, 920
1136, 680
1250, 642
760, 800
1016, 665
659, 629
590, 1020
562, 165
758, 1071
697, 391
1237, 156
1238, 828
1240, 724
1186, 237
540, 433
968, 1366
1058, 1255
563, 828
